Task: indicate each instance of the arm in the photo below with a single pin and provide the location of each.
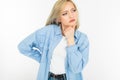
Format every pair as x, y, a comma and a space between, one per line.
77, 55
30, 47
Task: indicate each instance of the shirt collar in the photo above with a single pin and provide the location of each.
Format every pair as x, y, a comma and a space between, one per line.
59, 32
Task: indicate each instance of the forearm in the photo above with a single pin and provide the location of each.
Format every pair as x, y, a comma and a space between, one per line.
76, 59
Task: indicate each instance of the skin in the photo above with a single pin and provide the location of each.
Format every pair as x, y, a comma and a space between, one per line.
68, 19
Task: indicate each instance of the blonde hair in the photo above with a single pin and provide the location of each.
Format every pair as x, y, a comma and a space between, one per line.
56, 10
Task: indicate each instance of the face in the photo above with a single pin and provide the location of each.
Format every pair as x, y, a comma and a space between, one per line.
68, 16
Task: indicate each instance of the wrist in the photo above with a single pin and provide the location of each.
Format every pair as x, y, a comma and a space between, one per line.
70, 41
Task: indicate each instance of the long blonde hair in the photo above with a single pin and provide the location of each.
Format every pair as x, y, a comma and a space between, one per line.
55, 13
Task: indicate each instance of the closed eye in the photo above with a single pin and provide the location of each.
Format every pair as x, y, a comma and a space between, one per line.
73, 10
64, 14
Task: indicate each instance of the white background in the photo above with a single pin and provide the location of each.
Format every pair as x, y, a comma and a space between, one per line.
99, 19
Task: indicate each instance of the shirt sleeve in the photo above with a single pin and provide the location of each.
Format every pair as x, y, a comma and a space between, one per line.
31, 46
78, 55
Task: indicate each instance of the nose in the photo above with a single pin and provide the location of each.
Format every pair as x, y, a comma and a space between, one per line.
71, 15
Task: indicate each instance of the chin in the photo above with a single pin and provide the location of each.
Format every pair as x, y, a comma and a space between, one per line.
72, 24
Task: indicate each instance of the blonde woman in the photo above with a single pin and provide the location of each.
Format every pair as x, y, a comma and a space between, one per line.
59, 47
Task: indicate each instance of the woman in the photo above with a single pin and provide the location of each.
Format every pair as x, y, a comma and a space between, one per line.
59, 47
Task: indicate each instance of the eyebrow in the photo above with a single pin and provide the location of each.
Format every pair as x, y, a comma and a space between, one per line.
67, 10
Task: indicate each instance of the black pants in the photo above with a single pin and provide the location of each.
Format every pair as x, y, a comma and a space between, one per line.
52, 76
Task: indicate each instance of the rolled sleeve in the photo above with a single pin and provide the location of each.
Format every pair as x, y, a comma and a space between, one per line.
77, 56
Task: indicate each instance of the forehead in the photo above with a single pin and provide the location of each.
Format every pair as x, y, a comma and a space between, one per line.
67, 6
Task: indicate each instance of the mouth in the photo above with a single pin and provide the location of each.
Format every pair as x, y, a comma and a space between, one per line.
72, 20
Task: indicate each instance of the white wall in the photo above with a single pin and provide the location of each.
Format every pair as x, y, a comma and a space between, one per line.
100, 20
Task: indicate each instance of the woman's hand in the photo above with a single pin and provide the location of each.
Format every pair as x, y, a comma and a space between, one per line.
69, 34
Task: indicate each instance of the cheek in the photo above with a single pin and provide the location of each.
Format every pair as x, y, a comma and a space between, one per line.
64, 19
76, 15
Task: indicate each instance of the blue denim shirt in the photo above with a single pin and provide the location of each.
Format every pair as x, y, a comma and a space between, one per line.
41, 43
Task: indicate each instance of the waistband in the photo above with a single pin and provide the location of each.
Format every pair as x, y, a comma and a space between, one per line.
57, 75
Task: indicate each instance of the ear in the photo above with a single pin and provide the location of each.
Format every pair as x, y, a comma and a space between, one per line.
59, 20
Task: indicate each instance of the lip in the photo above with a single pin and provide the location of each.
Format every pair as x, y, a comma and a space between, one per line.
72, 20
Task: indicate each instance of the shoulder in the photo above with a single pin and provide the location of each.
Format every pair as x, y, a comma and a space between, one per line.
46, 29
80, 34
82, 38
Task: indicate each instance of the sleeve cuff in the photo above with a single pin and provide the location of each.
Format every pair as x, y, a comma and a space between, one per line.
71, 49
